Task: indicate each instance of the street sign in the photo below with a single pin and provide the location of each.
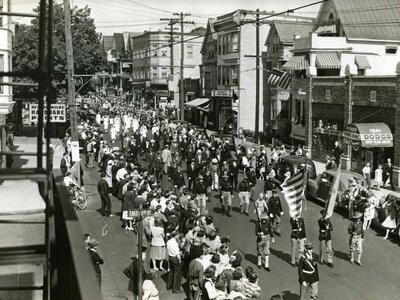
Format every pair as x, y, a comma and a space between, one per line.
57, 113
222, 93
75, 151
136, 213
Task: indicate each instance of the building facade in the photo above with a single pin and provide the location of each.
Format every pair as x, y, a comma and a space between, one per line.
279, 45
6, 97
155, 75
346, 84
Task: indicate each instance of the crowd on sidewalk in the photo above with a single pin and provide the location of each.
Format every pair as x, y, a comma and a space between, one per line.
171, 170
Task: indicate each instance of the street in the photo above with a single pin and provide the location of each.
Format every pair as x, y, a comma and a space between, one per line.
376, 279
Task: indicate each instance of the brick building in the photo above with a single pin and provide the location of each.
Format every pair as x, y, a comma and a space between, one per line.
346, 89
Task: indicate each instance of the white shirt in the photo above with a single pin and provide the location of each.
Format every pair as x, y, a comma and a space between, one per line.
173, 248
121, 174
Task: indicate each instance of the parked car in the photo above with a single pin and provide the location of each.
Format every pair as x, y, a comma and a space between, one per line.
294, 164
319, 187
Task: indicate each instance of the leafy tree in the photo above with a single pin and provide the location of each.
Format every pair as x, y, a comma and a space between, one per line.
89, 57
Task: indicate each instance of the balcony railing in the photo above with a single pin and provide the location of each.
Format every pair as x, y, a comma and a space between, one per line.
313, 41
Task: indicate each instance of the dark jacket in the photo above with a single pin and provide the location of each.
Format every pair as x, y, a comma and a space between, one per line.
298, 229
308, 270
226, 185
264, 229
96, 260
244, 186
199, 187
102, 188
132, 272
325, 228
275, 206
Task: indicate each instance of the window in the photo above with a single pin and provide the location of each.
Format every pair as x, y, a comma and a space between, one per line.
1, 9
327, 94
220, 40
372, 96
164, 51
1, 70
223, 77
235, 41
234, 75
361, 72
164, 72
189, 50
219, 75
154, 72
155, 50
391, 49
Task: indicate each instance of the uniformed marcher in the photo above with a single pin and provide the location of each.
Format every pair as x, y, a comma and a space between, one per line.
325, 239
308, 274
200, 190
298, 238
226, 195
244, 196
265, 236
275, 211
356, 232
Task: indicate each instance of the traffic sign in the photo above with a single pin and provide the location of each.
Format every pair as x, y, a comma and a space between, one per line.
137, 213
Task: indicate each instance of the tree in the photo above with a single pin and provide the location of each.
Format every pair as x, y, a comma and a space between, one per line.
89, 57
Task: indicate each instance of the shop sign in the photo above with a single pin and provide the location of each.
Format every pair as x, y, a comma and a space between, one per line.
222, 93
283, 95
139, 213
57, 113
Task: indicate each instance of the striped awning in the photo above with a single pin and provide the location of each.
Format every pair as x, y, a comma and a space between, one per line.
199, 103
327, 61
295, 63
362, 62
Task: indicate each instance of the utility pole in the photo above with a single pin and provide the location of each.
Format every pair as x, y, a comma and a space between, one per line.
171, 23
257, 75
181, 90
70, 78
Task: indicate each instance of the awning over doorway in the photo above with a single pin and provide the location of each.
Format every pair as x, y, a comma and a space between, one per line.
199, 103
368, 135
295, 63
327, 61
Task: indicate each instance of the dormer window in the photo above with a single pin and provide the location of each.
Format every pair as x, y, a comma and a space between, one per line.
331, 18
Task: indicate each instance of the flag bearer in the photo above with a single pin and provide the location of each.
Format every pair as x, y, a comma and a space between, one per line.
325, 239
298, 238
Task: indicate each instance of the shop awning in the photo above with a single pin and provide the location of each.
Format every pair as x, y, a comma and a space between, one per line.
199, 103
362, 62
368, 135
327, 61
295, 63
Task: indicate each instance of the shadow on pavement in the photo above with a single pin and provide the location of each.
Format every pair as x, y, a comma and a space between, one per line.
341, 255
217, 210
288, 295
251, 258
282, 255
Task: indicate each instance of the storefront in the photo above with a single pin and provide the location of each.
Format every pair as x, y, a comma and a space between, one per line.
222, 112
197, 111
371, 142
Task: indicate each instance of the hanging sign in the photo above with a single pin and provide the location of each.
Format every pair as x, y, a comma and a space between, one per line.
57, 113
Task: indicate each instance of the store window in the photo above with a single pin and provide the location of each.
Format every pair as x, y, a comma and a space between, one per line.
328, 95
220, 42
1, 70
219, 75
234, 75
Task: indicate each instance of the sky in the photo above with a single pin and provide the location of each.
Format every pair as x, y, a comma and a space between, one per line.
139, 15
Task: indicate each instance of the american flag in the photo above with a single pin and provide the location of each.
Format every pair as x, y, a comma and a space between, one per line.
293, 192
330, 204
279, 78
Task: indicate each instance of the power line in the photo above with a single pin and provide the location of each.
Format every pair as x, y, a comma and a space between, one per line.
130, 25
150, 7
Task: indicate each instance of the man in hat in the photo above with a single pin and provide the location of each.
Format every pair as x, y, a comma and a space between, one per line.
275, 211
191, 173
325, 239
265, 235
95, 257
175, 266
104, 192
200, 190
244, 196
226, 195
356, 232
298, 238
132, 272
234, 171
308, 274
178, 180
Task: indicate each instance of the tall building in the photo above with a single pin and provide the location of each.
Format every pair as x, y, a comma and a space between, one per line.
155, 75
6, 97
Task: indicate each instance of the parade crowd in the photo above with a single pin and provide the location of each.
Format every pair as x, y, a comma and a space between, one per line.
170, 170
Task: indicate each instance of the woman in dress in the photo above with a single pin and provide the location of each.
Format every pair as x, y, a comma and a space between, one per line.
157, 246
378, 176
391, 212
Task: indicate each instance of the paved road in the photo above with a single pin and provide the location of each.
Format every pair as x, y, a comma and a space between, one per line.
377, 279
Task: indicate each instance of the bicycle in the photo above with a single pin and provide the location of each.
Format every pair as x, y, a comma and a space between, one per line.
79, 198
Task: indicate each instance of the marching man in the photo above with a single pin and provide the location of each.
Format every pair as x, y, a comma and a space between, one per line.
356, 232
265, 235
325, 239
298, 238
308, 274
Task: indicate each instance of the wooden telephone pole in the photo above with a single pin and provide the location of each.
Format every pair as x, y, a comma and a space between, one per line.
70, 79
171, 23
182, 87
